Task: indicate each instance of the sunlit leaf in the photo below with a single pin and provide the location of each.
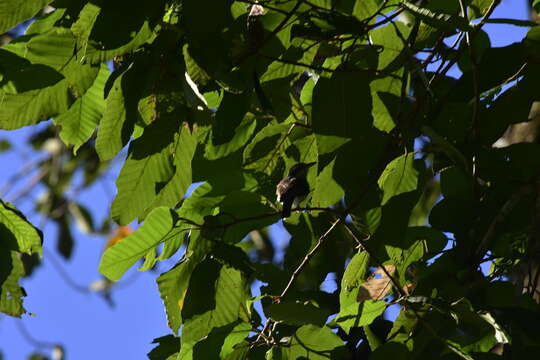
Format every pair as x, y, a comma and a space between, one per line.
11, 293
14, 12
54, 49
117, 259
173, 286
213, 302
17, 232
400, 176
168, 346
148, 167
313, 342
80, 121
439, 20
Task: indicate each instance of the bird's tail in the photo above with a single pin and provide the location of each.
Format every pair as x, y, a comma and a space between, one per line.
286, 211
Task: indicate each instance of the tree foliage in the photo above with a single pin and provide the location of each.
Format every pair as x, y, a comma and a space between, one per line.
409, 196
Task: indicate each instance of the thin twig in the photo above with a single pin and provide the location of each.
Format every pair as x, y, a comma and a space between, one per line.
38, 344
13, 179
472, 35
261, 334
375, 258
30, 186
278, 146
386, 19
308, 256
376, 13
476, 87
320, 67
499, 218
63, 273
325, 209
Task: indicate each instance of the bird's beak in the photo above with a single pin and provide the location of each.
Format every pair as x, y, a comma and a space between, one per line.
308, 165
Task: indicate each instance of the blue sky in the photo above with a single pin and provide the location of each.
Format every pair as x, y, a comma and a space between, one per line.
82, 321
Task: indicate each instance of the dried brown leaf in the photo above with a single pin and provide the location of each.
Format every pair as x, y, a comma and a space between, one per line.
377, 285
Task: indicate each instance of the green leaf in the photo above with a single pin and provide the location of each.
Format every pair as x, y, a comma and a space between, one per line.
237, 334
342, 107
365, 9
476, 48
392, 38
173, 286
230, 114
54, 48
450, 150
240, 213
99, 35
80, 121
119, 258
438, 20
391, 350
455, 183
512, 106
400, 176
147, 169
17, 232
337, 102
220, 342
327, 191
215, 299
360, 314
196, 73
434, 240
452, 215
5, 145
353, 313
373, 340
11, 293
200, 203
419, 243
259, 153
498, 64
404, 324
536, 5
183, 150
82, 28
200, 22
353, 277
475, 333
327, 144
275, 97
240, 135
302, 51
478, 8
45, 22
297, 313
16, 11
386, 94
116, 126
167, 347
53, 51
313, 342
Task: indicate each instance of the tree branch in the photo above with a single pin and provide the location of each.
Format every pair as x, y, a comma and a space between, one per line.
308, 256
379, 263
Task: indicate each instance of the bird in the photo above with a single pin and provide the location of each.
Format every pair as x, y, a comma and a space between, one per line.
293, 188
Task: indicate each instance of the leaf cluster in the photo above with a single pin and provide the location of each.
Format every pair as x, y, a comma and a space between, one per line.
409, 196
